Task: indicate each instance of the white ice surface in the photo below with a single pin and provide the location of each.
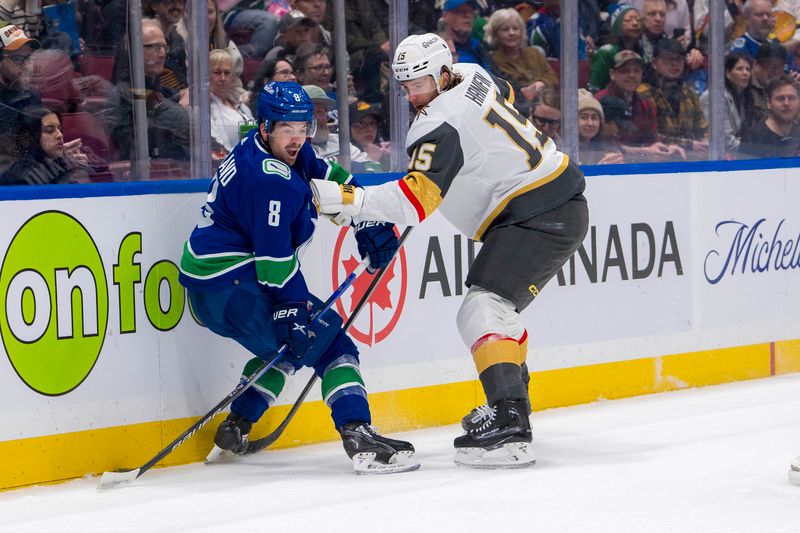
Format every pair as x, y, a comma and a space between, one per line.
702, 460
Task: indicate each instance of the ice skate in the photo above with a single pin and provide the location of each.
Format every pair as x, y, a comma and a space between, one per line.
480, 414
503, 440
375, 454
230, 439
794, 471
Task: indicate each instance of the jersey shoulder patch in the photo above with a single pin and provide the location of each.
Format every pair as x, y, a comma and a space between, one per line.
278, 168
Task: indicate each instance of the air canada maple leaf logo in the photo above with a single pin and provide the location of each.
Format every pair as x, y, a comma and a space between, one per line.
380, 313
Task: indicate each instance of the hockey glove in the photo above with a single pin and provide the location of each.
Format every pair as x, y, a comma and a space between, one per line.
378, 241
334, 199
291, 327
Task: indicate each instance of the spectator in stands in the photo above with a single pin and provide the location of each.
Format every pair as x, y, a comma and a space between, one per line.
758, 21
594, 149
368, 46
738, 97
219, 40
523, 66
546, 113
168, 13
680, 116
253, 30
365, 121
778, 135
732, 14
769, 64
25, 15
15, 50
313, 66
677, 20
545, 31
325, 145
626, 32
168, 123
294, 31
229, 117
654, 18
269, 70
45, 157
640, 142
315, 10
457, 19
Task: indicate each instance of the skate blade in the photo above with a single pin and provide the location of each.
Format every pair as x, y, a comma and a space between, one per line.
794, 474
510, 455
365, 463
219, 455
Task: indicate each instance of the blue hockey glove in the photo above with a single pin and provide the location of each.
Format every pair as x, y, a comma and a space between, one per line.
291, 327
378, 241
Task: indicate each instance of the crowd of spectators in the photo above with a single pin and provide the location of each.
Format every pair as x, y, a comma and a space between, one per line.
67, 95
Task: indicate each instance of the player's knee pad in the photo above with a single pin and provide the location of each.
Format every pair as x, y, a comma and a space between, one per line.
491, 328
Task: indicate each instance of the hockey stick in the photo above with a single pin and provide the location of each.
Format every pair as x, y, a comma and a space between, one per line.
259, 444
122, 477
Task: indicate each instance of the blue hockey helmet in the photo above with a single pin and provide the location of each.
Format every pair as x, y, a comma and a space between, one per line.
284, 101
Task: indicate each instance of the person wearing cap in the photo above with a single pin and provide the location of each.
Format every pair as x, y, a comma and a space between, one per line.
680, 116
315, 10
326, 145
294, 31
365, 121
639, 143
545, 31
770, 61
255, 29
626, 32
778, 135
15, 95
457, 19
594, 149
524, 67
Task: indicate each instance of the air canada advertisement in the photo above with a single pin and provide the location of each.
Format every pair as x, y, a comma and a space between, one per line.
93, 314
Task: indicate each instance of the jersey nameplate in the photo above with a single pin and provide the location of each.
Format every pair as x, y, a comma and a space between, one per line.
272, 166
478, 89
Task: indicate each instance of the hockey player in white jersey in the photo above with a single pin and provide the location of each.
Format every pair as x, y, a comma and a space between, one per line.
499, 181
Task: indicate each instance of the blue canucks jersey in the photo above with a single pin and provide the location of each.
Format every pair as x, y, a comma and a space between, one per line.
257, 220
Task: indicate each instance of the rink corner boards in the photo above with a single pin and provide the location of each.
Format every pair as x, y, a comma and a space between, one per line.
71, 455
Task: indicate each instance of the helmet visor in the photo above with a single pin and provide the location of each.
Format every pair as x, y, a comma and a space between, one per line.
423, 85
285, 130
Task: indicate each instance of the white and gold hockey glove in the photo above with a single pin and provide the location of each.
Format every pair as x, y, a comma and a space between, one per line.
338, 202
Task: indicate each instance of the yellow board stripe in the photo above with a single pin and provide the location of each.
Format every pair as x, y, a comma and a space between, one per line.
502, 205
71, 455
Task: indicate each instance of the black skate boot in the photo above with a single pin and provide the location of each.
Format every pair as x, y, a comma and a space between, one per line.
232, 434
480, 414
503, 440
375, 454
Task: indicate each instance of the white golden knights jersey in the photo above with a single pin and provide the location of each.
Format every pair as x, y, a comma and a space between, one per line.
474, 157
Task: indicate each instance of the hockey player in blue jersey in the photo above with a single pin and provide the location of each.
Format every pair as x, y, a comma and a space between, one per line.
242, 269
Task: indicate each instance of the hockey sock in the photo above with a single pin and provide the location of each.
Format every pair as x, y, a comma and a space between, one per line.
344, 393
255, 401
503, 381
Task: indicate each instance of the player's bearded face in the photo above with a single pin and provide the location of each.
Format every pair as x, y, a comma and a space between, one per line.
420, 92
286, 139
